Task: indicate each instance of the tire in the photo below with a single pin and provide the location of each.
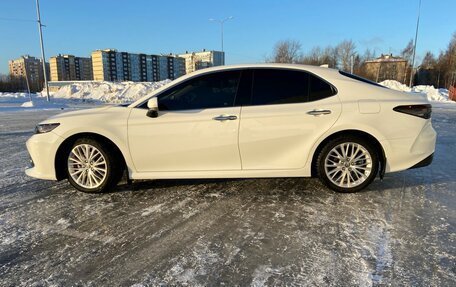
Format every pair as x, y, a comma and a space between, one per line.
334, 161
93, 167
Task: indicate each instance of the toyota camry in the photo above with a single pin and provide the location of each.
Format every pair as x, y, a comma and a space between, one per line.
247, 121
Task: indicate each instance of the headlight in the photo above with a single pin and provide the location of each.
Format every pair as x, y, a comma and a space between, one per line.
45, 128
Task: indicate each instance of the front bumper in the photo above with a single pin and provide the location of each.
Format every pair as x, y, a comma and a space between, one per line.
42, 149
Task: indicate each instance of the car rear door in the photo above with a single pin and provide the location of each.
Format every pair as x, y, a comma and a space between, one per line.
288, 112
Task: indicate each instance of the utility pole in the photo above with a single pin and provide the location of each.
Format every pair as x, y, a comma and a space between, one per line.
438, 79
352, 63
43, 59
222, 21
414, 46
378, 71
28, 84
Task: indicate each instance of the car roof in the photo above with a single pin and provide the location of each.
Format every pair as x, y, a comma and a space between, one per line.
313, 69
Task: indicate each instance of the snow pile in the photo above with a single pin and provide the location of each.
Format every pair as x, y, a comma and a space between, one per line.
83, 94
22, 100
13, 97
395, 85
42, 103
433, 94
108, 92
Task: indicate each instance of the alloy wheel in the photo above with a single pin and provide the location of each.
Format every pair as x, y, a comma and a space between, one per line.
348, 165
87, 166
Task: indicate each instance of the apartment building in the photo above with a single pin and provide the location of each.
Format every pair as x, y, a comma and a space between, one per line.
200, 60
111, 65
70, 68
31, 68
387, 67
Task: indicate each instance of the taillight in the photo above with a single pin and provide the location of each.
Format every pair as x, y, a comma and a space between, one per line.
422, 111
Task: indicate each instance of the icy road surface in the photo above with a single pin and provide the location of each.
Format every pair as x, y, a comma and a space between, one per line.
255, 232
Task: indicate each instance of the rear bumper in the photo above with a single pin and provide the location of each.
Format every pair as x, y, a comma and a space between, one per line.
425, 162
406, 153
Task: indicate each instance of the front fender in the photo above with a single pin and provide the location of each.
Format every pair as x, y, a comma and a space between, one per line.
111, 124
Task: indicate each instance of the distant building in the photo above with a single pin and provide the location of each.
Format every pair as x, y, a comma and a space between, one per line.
200, 60
31, 68
387, 67
70, 68
111, 65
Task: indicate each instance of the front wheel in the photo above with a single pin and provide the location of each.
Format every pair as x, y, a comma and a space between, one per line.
92, 167
348, 164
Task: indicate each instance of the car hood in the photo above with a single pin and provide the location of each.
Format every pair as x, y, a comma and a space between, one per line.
79, 113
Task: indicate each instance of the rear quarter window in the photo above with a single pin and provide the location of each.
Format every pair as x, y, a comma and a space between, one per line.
319, 89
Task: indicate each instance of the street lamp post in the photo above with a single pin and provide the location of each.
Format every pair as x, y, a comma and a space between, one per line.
221, 21
414, 46
42, 49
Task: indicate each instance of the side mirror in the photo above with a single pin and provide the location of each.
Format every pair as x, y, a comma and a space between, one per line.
152, 105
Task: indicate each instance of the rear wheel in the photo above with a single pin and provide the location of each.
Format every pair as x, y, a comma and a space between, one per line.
348, 164
93, 167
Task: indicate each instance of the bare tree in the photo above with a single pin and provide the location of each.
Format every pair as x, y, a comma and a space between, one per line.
9, 83
407, 54
368, 55
313, 57
329, 57
427, 74
439, 71
358, 65
318, 56
429, 60
286, 51
450, 63
345, 50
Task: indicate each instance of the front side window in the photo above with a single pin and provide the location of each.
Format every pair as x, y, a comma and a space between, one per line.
216, 90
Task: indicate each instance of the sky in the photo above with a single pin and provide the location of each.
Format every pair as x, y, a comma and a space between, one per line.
78, 27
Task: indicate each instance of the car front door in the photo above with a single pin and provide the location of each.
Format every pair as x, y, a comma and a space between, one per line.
196, 129
289, 111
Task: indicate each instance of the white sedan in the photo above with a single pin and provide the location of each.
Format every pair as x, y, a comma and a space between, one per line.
247, 121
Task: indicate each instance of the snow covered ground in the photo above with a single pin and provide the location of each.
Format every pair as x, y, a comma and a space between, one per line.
257, 232
237, 232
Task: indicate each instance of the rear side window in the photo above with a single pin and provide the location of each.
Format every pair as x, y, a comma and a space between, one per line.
215, 90
271, 87
278, 86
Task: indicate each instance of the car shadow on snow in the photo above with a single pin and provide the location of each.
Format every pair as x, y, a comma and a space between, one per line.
401, 180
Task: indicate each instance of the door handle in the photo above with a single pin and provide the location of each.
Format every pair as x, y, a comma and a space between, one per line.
225, 118
318, 112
